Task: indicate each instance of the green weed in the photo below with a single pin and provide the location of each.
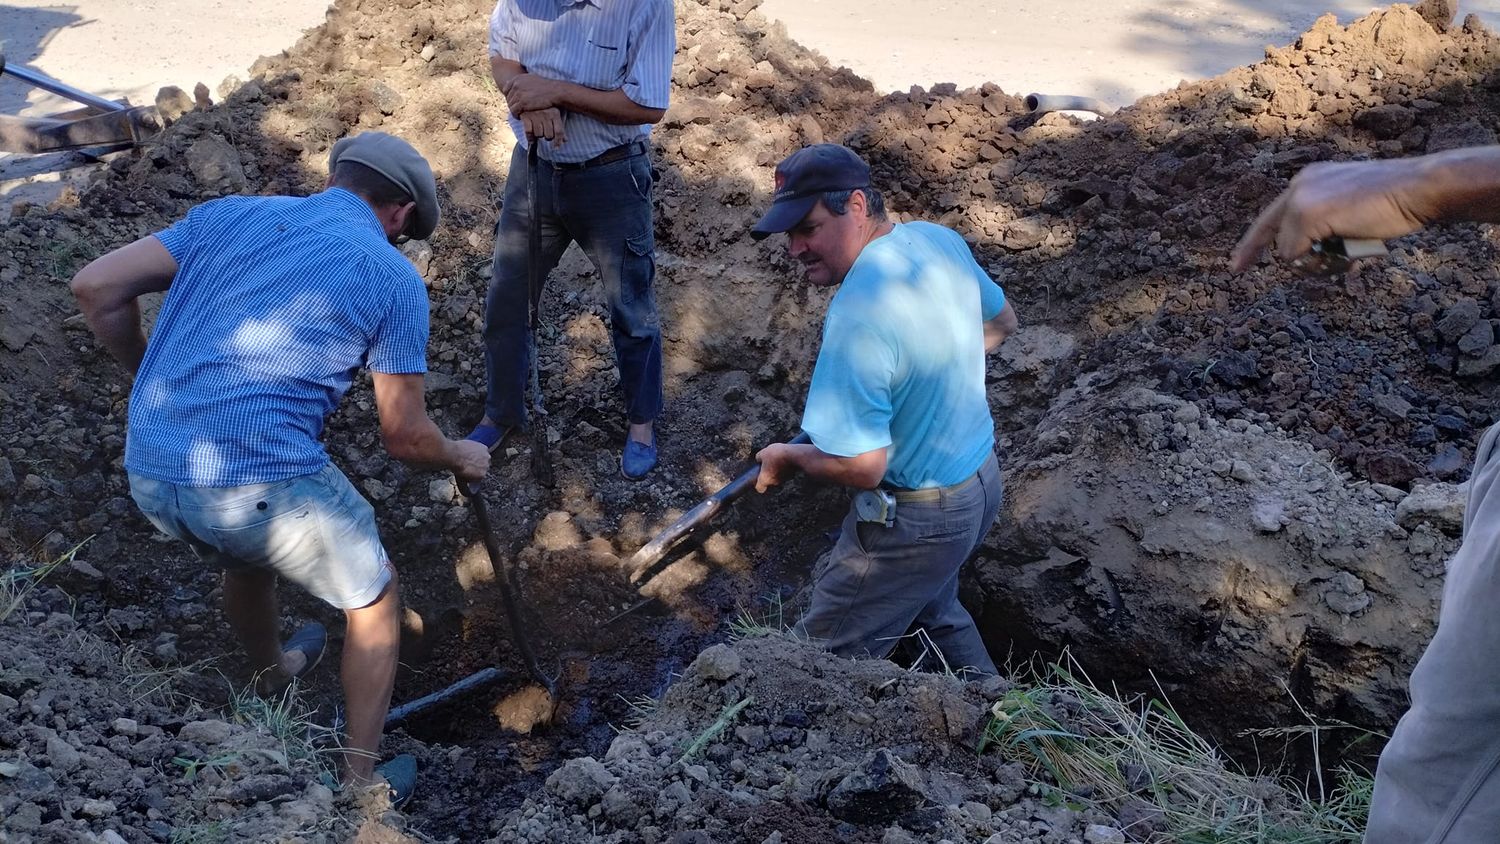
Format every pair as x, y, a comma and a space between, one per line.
771, 621
66, 257
720, 724
203, 832
18, 582
305, 745
1089, 747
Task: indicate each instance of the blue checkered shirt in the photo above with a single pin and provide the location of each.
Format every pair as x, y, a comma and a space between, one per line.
607, 45
276, 302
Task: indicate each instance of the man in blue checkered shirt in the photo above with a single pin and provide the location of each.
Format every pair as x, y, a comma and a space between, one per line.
272, 305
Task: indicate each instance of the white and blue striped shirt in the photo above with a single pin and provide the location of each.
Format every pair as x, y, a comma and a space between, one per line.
606, 45
276, 302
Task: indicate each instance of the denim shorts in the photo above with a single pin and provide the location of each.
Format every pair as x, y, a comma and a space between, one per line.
315, 530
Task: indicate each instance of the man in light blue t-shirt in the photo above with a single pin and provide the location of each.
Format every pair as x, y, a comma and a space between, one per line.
896, 410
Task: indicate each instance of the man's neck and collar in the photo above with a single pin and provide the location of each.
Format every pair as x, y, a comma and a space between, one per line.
877, 229
371, 216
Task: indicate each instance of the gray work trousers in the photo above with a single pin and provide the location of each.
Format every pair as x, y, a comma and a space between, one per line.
1438, 781
880, 583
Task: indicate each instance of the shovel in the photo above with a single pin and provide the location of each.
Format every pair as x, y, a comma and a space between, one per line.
652, 552
541, 457
508, 601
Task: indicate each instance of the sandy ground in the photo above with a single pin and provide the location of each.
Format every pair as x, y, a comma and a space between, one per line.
130, 48
1116, 51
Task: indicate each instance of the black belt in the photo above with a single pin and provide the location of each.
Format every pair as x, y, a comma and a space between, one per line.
609, 156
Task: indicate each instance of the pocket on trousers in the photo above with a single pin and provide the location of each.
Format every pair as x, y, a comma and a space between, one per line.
268, 529
639, 267
932, 524
642, 177
150, 497
945, 533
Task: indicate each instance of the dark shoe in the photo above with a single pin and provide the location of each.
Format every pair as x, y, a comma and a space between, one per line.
311, 639
490, 436
638, 458
401, 774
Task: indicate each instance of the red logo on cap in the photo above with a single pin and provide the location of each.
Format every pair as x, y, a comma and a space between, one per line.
780, 180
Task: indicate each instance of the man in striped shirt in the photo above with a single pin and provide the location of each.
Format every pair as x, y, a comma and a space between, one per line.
584, 80
272, 305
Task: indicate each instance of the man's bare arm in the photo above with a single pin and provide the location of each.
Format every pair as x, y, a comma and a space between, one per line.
1000, 326
107, 290
1375, 199
412, 437
530, 92
777, 462
545, 123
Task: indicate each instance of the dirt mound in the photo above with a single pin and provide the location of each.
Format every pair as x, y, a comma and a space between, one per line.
772, 740
1204, 469
1241, 570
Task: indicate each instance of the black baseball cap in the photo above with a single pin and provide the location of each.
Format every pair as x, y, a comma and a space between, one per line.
803, 178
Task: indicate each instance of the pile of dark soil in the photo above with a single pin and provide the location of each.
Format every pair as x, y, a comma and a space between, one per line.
774, 741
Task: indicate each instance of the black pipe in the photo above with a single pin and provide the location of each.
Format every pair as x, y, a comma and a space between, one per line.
479, 678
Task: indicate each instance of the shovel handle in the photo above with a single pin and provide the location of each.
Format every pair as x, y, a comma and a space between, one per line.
508, 591
706, 509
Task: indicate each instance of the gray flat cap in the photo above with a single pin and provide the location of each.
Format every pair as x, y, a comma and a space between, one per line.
398, 161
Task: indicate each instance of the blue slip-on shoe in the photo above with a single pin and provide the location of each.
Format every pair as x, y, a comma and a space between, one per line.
490, 436
638, 458
311, 639
401, 774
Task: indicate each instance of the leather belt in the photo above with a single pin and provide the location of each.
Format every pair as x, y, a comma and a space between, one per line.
930, 493
609, 156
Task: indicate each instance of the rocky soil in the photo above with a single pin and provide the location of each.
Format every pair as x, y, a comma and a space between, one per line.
772, 740
102, 745
1222, 484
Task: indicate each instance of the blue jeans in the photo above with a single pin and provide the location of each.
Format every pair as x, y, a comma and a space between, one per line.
880, 583
314, 530
607, 211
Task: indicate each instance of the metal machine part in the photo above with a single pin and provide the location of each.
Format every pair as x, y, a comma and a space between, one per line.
1334, 255
99, 123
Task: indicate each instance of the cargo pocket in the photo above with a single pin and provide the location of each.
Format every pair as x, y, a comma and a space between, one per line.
638, 268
